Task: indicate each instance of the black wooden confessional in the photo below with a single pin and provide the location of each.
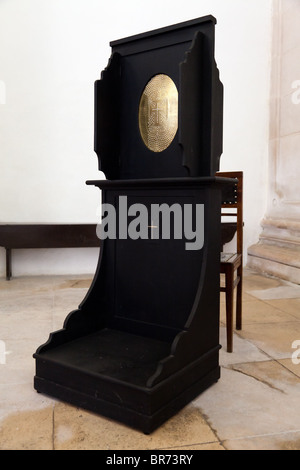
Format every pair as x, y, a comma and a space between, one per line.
145, 340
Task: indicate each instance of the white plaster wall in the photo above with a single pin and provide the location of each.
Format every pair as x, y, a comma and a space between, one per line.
51, 52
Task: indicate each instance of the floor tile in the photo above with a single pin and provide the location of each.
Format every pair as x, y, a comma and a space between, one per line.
291, 364
290, 306
256, 311
272, 373
18, 364
82, 430
275, 339
240, 405
243, 350
27, 430
21, 397
257, 282
279, 292
262, 312
26, 317
282, 441
253, 406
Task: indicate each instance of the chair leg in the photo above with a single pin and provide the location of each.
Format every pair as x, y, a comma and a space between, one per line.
8, 263
239, 299
229, 279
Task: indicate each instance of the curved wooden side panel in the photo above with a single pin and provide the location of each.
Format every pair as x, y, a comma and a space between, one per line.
106, 130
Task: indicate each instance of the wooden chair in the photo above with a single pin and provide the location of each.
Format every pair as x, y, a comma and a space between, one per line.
232, 263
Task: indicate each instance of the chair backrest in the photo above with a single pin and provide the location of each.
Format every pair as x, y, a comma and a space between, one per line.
233, 199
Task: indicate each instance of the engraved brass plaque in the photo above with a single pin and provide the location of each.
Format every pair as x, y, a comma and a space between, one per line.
158, 113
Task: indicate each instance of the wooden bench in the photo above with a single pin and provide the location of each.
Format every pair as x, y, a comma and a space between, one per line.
16, 236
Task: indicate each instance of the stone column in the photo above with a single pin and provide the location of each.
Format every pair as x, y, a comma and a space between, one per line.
278, 250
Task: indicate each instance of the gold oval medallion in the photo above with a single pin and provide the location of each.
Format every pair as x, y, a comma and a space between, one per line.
158, 113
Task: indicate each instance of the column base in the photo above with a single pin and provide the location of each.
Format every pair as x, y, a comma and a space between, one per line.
278, 251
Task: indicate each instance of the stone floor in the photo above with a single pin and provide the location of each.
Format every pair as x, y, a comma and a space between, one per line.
255, 405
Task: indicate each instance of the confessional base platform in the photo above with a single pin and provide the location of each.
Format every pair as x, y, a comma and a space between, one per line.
107, 373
